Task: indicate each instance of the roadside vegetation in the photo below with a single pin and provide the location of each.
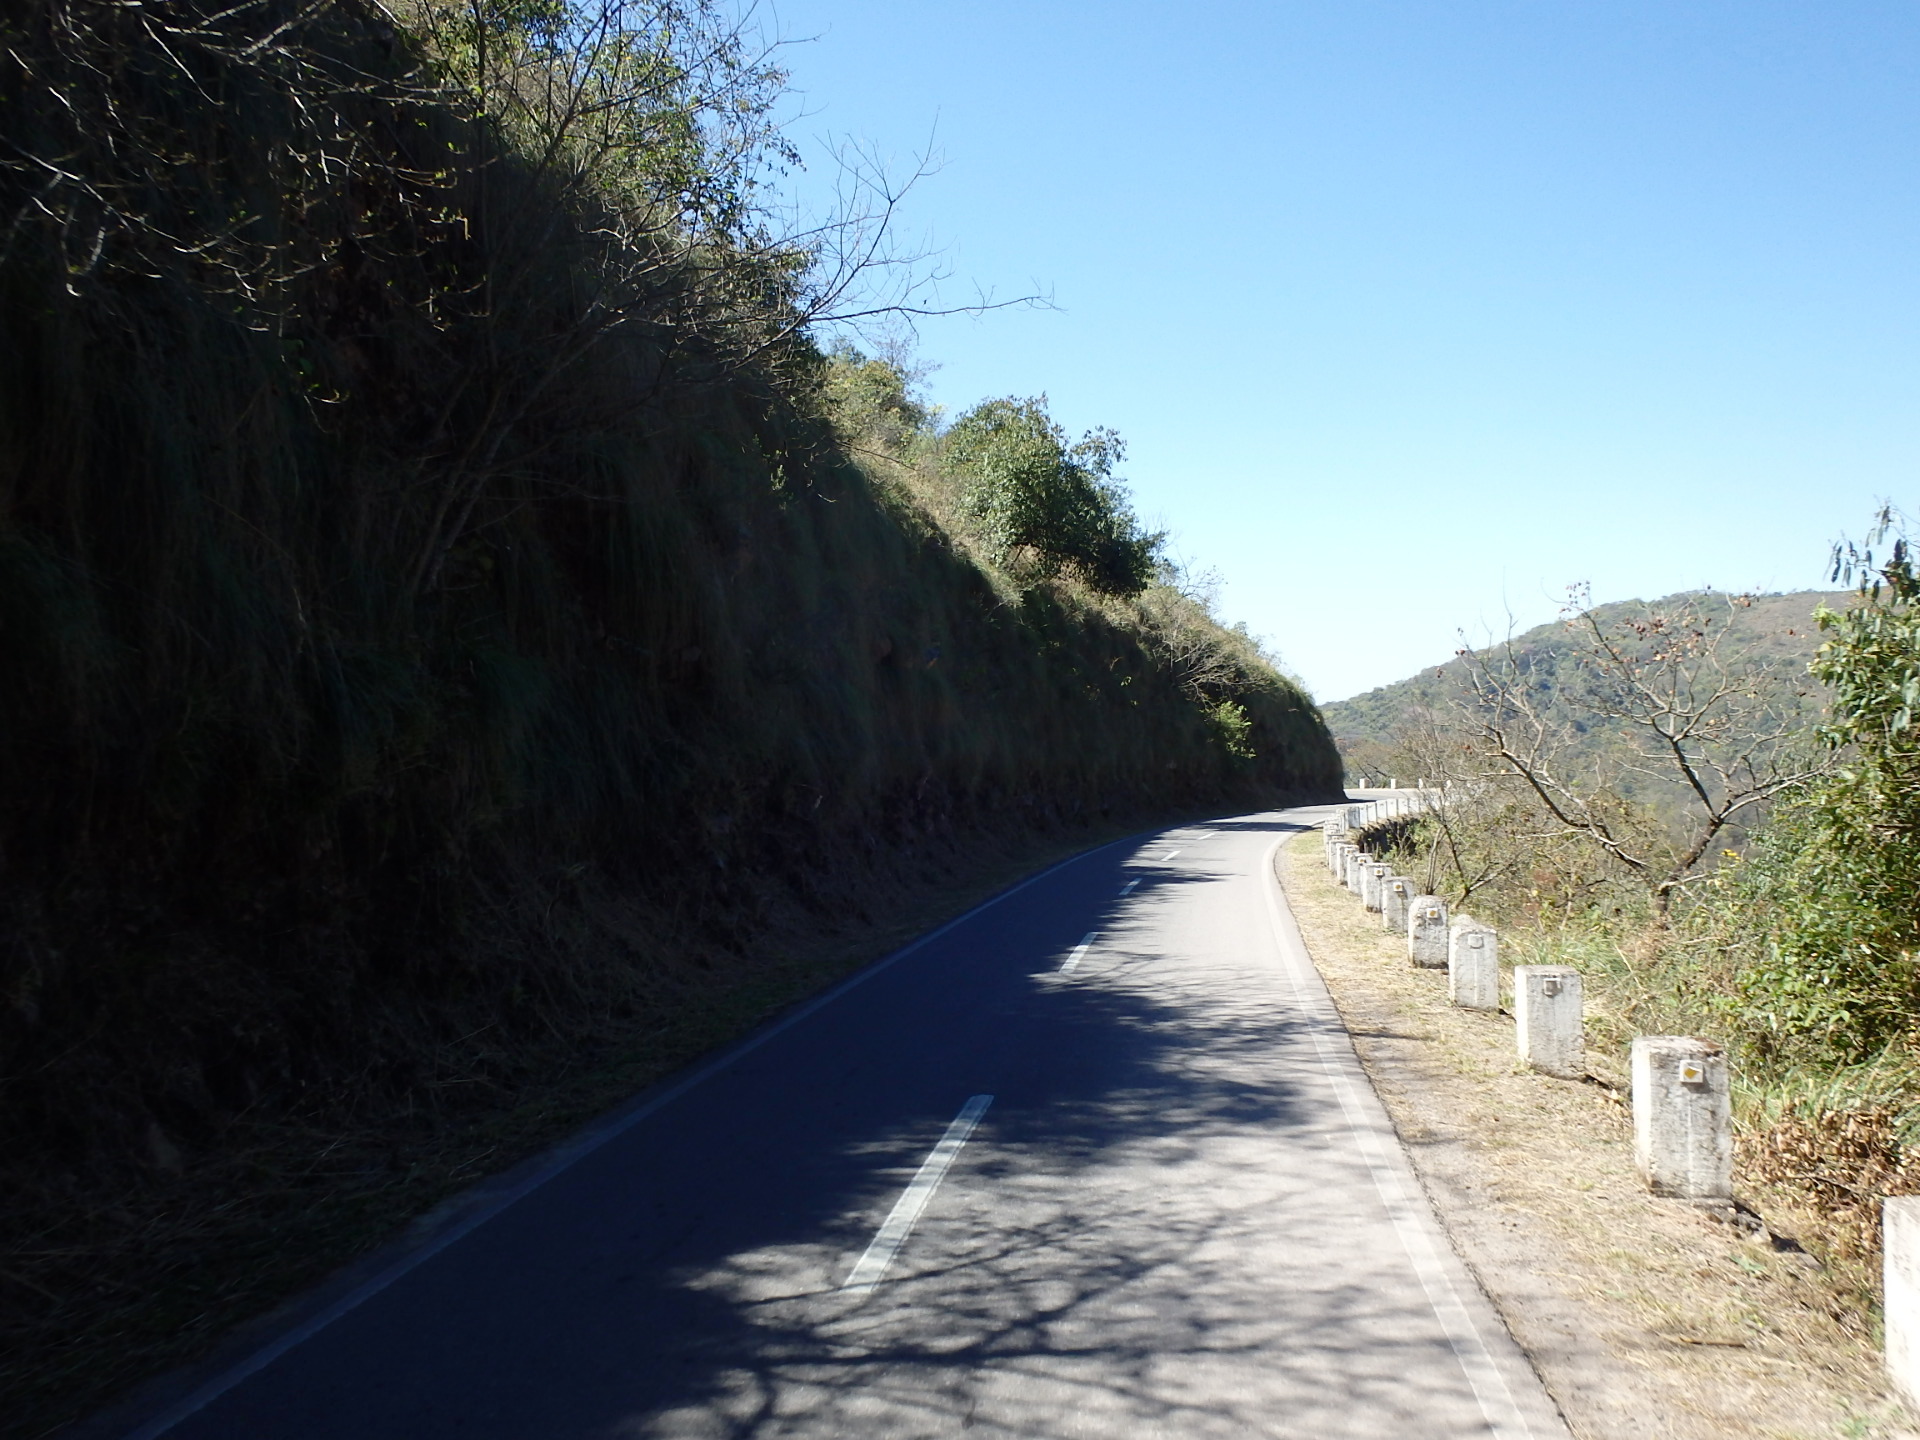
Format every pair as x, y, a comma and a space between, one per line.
1724, 840
462, 622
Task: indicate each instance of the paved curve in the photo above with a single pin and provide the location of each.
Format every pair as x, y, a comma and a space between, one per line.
1181, 1213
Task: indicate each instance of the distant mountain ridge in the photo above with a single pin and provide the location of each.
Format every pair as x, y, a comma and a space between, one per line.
1778, 626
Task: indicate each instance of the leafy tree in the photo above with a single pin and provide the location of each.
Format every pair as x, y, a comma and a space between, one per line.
1056, 507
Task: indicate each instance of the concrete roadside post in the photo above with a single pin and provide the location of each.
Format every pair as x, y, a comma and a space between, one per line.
1427, 932
1473, 964
1373, 880
1900, 1292
1350, 869
1395, 901
1682, 1117
1546, 1013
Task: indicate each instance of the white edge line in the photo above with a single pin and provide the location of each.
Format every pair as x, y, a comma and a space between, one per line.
1072, 962
569, 1155
899, 1223
1469, 1347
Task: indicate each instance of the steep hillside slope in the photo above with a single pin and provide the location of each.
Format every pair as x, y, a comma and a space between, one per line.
446, 634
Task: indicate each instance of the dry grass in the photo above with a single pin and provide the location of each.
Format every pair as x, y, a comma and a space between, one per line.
1645, 1317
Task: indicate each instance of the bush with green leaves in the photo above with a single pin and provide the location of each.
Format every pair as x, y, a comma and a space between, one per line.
1825, 915
871, 402
1041, 503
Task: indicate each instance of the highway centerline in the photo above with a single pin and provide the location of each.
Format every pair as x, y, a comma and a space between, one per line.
899, 1223
1159, 1238
1072, 962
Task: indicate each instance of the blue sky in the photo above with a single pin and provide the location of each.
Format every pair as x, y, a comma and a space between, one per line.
1411, 313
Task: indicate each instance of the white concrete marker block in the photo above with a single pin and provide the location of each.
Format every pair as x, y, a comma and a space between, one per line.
1347, 856
1373, 880
1395, 901
1682, 1117
1900, 1292
1473, 964
1427, 932
1342, 856
1546, 1015
1355, 867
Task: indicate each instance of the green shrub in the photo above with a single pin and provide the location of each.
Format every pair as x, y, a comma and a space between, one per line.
1034, 497
1825, 914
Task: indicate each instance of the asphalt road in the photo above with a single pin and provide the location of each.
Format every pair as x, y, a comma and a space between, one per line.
1096, 1159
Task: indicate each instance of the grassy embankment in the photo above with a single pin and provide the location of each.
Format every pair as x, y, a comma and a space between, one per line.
1629, 1306
1792, 941
456, 669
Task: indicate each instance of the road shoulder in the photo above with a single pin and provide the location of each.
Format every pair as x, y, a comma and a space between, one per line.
1644, 1317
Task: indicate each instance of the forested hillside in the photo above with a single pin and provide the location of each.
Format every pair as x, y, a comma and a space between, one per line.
1776, 630
453, 612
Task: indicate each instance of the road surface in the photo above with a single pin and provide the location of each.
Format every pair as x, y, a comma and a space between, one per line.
1094, 1160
